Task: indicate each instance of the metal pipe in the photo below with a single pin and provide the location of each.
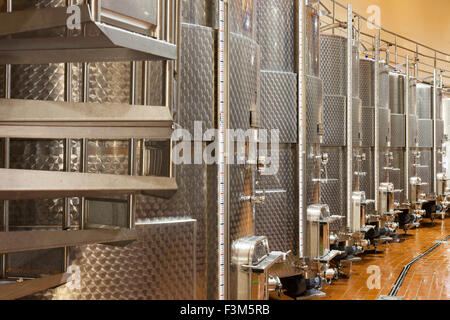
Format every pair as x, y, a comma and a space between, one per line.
406, 157
84, 144
393, 33
377, 119
301, 152
349, 113
332, 26
435, 87
6, 150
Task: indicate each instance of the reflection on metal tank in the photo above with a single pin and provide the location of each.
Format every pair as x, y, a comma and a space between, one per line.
333, 71
276, 218
424, 94
367, 94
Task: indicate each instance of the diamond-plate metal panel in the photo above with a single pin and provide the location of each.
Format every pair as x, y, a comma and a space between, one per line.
413, 131
274, 218
385, 126
425, 133
426, 173
367, 83
241, 215
185, 203
109, 82
333, 65
158, 266
368, 131
276, 26
334, 193
424, 101
398, 128
243, 17
398, 177
357, 118
196, 77
335, 120
333, 61
314, 109
38, 82
279, 104
367, 182
439, 133
244, 80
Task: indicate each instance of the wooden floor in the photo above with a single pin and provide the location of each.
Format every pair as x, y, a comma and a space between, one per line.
428, 279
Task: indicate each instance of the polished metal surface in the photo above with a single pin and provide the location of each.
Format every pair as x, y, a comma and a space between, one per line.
199, 12
243, 19
196, 77
276, 25
39, 119
312, 42
367, 83
142, 270
101, 43
334, 116
244, 80
333, 66
425, 133
424, 101
21, 241
398, 130
34, 184
314, 110
278, 104
276, 218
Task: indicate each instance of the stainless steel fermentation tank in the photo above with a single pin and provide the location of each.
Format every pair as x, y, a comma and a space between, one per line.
398, 124
367, 94
333, 71
424, 153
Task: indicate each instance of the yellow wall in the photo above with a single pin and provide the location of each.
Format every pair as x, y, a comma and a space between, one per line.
425, 21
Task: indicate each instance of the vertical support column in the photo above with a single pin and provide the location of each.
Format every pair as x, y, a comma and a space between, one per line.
223, 149
68, 91
84, 144
349, 112
131, 203
301, 152
406, 157
377, 119
6, 151
435, 87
